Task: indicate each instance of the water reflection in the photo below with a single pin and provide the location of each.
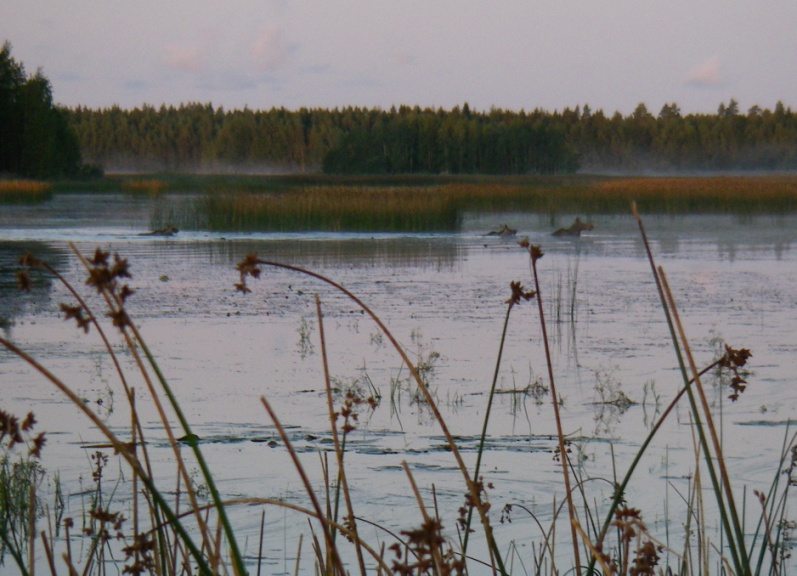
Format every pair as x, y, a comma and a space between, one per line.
404, 252
12, 302
120, 217
97, 211
222, 350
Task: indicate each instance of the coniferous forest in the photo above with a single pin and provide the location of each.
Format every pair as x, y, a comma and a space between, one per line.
408, 140
41, 139
36, 139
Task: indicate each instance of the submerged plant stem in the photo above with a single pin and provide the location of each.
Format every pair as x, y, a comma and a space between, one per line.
342, 482
560, 434
306, 481
480, 449
121, 448
670, 312
252, 261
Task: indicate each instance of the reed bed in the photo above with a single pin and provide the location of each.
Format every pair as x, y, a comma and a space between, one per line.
334, 209
418, 204
171, 532
24, 191
360, 207
152, 186
611, 195
721, 194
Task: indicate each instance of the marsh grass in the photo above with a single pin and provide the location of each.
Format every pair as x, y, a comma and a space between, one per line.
24, 191
21, 476
429, 204
408, 207
175, 532
719, 194
151, 186
333, 209
611, 195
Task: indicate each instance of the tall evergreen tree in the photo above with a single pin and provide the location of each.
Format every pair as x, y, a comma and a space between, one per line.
462, 140
12, 77
37, 139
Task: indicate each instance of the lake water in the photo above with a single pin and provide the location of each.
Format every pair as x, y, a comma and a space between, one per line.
443, 297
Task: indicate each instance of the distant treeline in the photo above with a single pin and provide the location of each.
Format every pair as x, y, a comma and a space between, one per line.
41, 139
435, 141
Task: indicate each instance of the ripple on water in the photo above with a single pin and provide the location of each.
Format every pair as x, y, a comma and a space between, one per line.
443, 296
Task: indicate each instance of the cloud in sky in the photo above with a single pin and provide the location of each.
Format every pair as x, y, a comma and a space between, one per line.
706, 74
269, 50
526, 54
404, 59
181, 57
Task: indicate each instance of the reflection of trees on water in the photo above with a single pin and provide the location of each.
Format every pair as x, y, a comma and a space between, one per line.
14, 303
730, 236
414, 252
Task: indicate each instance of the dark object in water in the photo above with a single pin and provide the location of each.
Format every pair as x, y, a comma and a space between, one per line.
504, 230
190, 439
166, 231
575, 228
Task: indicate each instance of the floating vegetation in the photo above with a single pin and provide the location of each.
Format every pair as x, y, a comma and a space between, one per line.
716, 194
152, 186
24, 191
438, 204
332, 209
189, 530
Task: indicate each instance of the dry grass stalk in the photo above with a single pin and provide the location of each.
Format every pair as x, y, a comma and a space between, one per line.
147, 185
32, 187
339, 451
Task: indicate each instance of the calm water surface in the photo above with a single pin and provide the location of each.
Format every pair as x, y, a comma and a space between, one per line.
443, 297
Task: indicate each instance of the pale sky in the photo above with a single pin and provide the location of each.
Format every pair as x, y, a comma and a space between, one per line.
513, 54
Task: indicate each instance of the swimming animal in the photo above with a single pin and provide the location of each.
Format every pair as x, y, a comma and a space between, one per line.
166, 231
504, 230
575, 228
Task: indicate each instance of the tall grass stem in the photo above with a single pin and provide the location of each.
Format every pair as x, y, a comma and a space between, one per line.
342, 482
472, 489
557, 417
120, 447
736, 537
488, 411
335, 558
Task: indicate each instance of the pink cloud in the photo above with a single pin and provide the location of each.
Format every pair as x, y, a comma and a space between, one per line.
269, 49
404, 59
708, 73
183, 57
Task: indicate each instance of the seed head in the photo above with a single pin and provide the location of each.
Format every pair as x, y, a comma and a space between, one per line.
518, 293
23, 280
249, 266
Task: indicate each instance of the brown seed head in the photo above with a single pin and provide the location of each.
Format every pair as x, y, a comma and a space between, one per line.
29, 260
100, 258
76, 312
519, 294
23, 280
249, 266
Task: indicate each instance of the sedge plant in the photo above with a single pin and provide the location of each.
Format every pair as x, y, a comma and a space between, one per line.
188, 534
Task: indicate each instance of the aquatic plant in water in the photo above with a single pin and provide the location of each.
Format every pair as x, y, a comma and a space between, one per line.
394, 204
167, 536
24, 191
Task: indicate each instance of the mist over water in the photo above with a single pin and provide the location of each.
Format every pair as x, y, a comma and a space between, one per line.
146, 166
